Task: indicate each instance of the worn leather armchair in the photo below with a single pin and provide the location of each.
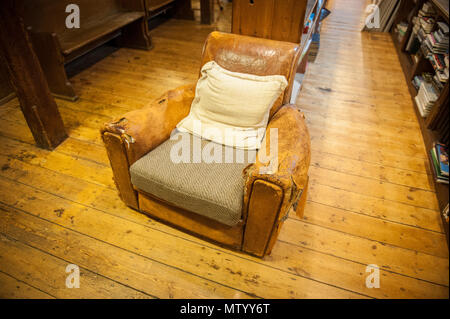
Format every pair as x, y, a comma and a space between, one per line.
266, 198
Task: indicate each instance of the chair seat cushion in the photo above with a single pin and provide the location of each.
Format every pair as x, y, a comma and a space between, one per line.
212, 189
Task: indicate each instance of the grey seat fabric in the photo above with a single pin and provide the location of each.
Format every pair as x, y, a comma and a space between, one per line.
214, 190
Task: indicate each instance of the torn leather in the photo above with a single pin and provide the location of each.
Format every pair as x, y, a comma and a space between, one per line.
293, 153
144, 129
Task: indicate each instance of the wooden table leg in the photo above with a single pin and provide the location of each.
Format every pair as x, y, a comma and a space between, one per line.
36, 101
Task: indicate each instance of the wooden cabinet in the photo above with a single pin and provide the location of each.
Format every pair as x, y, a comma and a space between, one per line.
271, 19
282, 20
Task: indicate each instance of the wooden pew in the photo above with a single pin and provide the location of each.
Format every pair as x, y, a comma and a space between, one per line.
26, 75
182, 9
100, 21
6, 90
154, 6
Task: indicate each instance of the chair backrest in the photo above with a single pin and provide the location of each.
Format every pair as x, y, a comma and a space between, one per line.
251, 55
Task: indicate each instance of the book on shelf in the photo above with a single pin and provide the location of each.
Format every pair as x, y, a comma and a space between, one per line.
425, 17
429, 38
445, 214
426, 97
439, 156
440, 52
309, 23
438, 82
427, 24
401, 30
314, 47
442, 155
428, 7
417, 81
443, 27
323, 14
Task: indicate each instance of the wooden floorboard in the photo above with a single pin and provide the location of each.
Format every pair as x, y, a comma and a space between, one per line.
13, 288
371, 200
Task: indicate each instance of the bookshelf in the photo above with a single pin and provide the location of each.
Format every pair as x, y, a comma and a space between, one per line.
434, 126
309, 45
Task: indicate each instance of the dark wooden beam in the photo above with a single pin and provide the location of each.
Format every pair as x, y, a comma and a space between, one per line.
183, 10
6, 90
30, 84
207, 11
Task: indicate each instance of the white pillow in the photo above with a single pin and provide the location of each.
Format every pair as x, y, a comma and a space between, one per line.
232, 108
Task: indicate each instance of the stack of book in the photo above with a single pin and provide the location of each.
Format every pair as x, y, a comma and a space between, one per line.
426, 98
437, 43
441, 76
427, 24
430, 39
423, 24
426, 17
439, 155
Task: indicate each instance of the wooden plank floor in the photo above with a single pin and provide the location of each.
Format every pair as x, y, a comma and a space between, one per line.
371, 200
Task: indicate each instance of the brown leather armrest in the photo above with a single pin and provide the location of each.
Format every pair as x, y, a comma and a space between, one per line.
136, 133
293, 154
275, 185
144, 129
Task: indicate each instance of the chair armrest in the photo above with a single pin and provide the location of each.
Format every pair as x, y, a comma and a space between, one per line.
274, 183
144, 129
136, 133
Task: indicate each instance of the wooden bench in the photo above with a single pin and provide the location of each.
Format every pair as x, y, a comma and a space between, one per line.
100, 22
182, 9
6, 90
154, 6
